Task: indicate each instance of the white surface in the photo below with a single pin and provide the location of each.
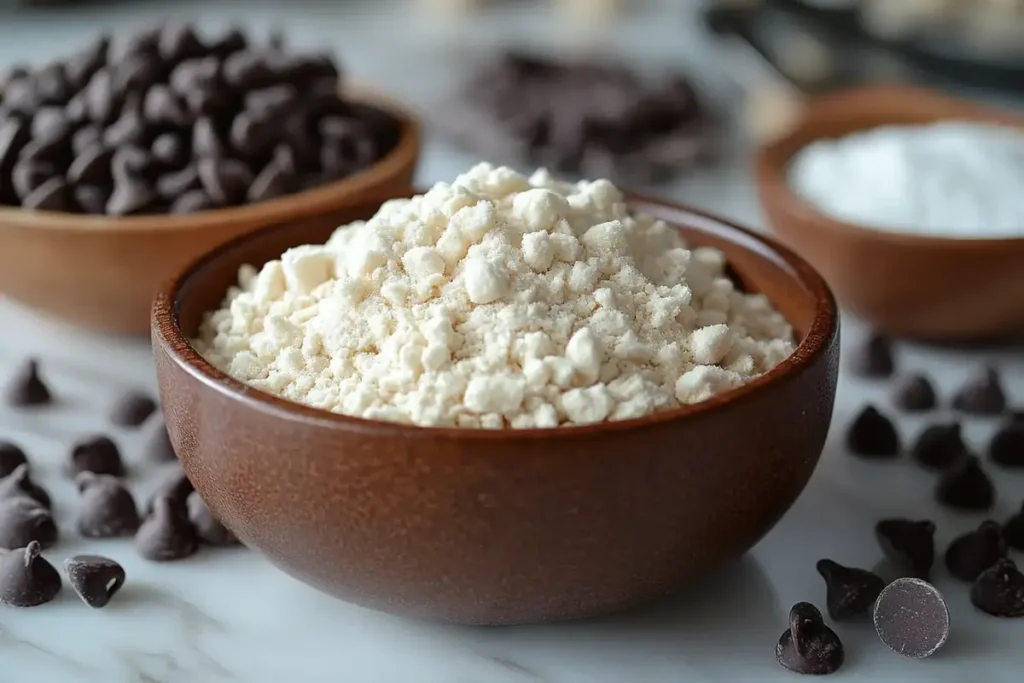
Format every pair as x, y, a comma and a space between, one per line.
229, 616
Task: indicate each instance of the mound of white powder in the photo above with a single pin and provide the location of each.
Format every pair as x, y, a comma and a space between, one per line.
496, 301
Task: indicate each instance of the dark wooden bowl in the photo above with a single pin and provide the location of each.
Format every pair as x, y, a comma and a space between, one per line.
500, 527
904, 285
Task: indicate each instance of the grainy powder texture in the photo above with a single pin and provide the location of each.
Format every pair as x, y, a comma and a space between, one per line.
496, 301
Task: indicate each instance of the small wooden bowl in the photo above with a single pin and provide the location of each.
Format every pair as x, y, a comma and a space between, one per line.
102, 273
500, 527
936, 288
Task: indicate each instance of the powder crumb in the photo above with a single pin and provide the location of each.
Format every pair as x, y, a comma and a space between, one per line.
496, 301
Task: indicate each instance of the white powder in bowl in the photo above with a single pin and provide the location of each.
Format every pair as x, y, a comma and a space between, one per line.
496, 301
948, 179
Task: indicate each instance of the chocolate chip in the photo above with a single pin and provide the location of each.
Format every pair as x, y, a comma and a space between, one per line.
179, 42
248, 70
19, 483
195, 73
163, 107
30, 175
206, 143
965, 486
11, 457
156, 445
39, 149
873, 358
850, 592
193, 201
138, 42
52, 195
96, 579
230, 41
20, 96
132, 194
50, 123
974, 552
939, 446
138, 72
14, 134
873, 435
911, 618
129, 129
908, 544
285, 159
1007, 446
914, 394
208, 528
85, 138
169, 150
23, 520
809, 646
225, 180
101, 103
106, 508
131, 409
26, 387
271, 182
175, 486
981, 395
91, 199
252, 138
52, 84
96, 454
1013, 530
167, 534
173, 185
267, 104
92, 165
26, 578
999, 590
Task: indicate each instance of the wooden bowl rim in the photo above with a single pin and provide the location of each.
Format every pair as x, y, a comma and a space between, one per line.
406, 148
824, 327
772, 159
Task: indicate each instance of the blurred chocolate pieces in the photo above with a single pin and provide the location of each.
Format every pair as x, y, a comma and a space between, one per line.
208, 528
23, 520
908, 544
914, 394
131, 409
19, 483
872, 435
11, 457
873, 358
965, 486
96, 454
982, 394
974, 552
26, 387
939, 446
1007, 446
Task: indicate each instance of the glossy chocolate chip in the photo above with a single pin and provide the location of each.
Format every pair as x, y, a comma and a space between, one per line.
873, 358
94, 578
208, 528
26, 387
873, 435
11, 458
52, 195
908, 544
1007, 446
92, 165
132, 194
974, 552
206, 142
965, 486
50, 123
106, 508
914, 394
23, 520
27, 579
166, 535
179, 42
170, 186
131, 409
999, 590
96, 454
101, 103
982, 394
1013, 530
169, 150
850, 592
911, 617
809, 646
164, 107
225, 180
939, 446
19, 483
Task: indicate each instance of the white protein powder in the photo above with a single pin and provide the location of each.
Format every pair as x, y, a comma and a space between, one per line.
496, 301
949, 179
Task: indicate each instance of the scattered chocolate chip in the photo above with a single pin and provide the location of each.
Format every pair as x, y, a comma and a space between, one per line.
50, 123
911, 618
164, 107
106, 509
132, 409
965, 486
19, 483
809, 646
1013, 530
873, 358
974, 552
52, 195
26, 578
91, 199
206, 142
999, 590
175, 486
225, 180
208, 528
96, 454
908, 544
939, 446
156, 445
850, 592
131, 195
1007, 446
92, 165
169, 150
11, 458
167, 534
179, 42
914, 394
94, 578
23, 520
873, 435
981, 395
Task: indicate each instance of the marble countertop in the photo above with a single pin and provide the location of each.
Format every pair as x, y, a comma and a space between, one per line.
226, 615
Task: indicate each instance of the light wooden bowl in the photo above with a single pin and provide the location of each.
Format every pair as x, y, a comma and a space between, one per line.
932, 288
101, 273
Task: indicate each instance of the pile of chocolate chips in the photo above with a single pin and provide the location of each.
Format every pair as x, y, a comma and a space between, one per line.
592, 120
172, 526
161, 120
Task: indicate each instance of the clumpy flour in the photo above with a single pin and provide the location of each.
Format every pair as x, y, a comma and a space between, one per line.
496, 301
